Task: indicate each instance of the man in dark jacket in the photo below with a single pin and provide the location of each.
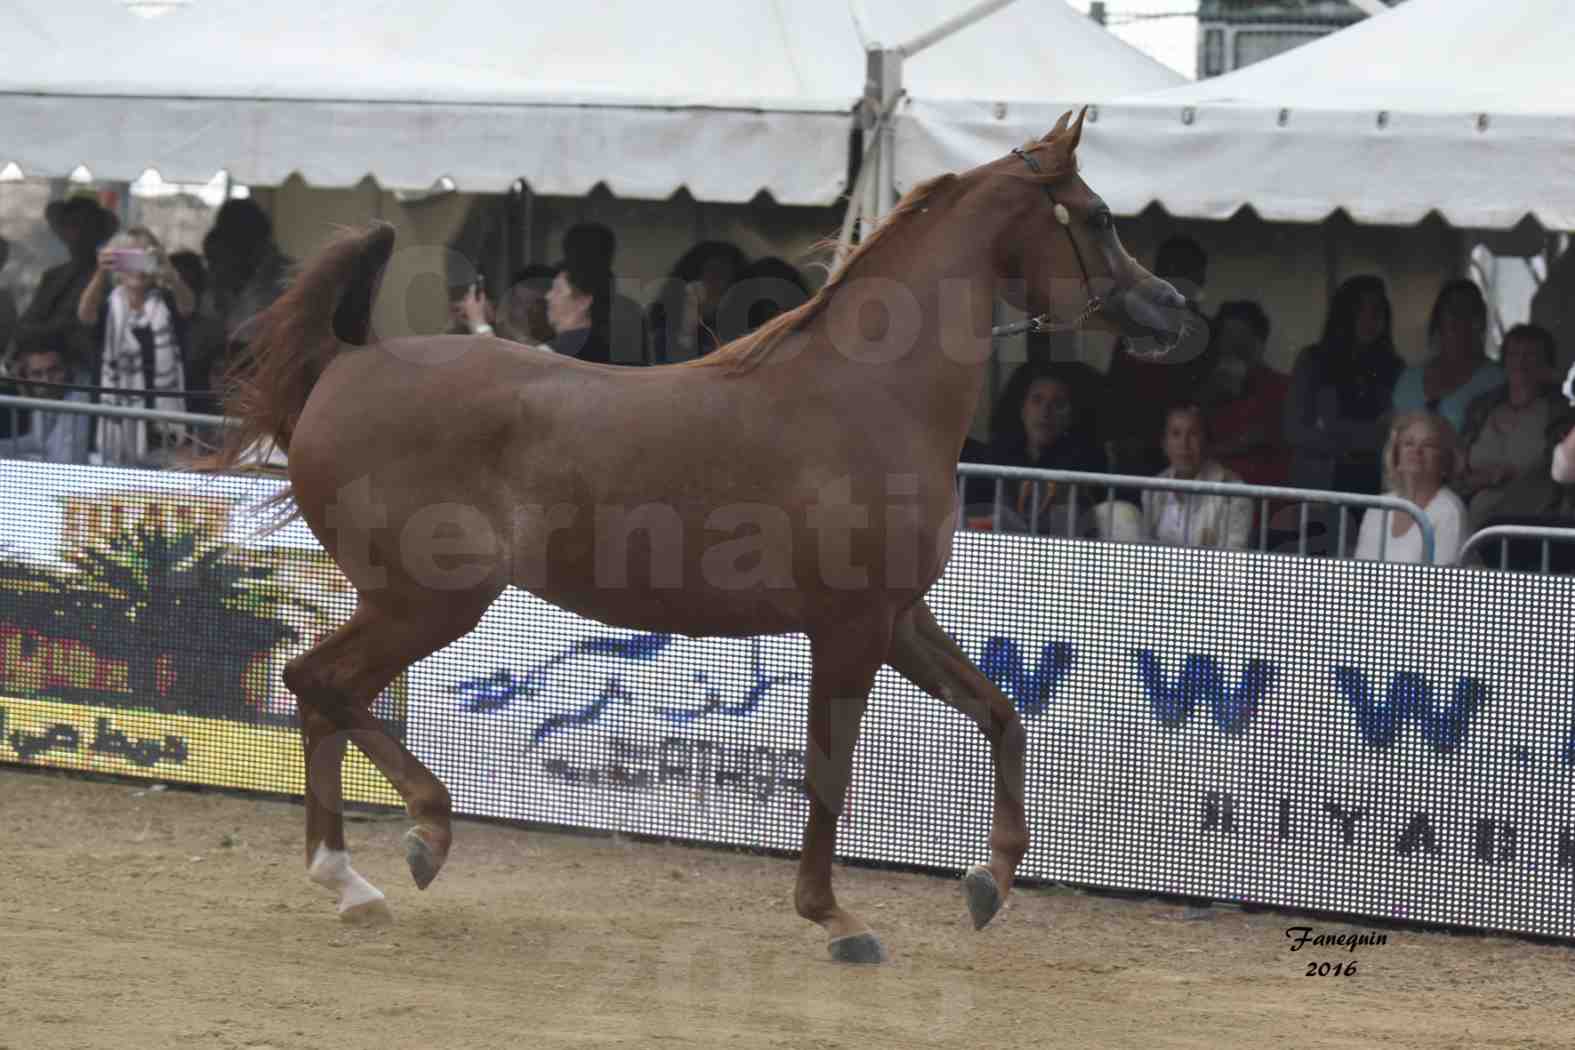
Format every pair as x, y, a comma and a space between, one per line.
51, 317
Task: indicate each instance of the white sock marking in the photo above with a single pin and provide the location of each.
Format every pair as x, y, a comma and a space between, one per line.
331, 869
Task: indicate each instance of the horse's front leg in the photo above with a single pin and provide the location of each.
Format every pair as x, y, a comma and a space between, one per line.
845, 662
924, 654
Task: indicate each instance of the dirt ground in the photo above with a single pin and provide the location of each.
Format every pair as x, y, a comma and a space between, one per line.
132, 918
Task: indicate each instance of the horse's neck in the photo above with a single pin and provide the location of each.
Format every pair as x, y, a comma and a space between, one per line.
930, 354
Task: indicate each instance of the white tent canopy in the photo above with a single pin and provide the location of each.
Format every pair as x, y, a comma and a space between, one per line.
1461, 107
1027, 51
726, 98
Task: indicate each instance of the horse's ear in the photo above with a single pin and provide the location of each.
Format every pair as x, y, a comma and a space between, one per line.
1077, 130
1060, 126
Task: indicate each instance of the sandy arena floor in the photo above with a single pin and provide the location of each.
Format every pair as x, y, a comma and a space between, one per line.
137, 919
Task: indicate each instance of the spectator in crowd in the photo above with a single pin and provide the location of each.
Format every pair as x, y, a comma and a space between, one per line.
52, 437
520, 318
200, 332
1553, 305
1341, 391
13, 421
1419, 460
683, 319
1035, 424
1505, 433
577, 308
1562, 468
1544, 496
7, 305
523, 316
1177, 519
1457, 370
140, 327
51, 317
1541, 497
766, 289
471, 310
589, 246
189, 265
246, 273
1139, 391
1244, 399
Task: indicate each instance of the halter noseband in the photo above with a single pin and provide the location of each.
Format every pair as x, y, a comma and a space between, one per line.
1046, 322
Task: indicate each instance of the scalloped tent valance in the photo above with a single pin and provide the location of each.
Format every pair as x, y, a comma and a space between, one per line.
725, 98
1460, 107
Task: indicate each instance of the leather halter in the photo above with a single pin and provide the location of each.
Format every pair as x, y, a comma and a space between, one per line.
1046, 322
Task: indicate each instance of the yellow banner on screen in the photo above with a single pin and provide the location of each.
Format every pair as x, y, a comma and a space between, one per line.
180, 748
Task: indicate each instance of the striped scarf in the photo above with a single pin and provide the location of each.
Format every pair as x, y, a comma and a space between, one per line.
124, 442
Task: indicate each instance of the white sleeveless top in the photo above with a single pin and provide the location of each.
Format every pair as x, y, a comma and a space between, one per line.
1446, 512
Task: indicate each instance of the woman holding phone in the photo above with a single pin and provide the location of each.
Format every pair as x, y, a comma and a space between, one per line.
140, 326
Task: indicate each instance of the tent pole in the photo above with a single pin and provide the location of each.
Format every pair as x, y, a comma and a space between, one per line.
851, 219
1331, 257
884, 82
862, 190
514, 245
869, 210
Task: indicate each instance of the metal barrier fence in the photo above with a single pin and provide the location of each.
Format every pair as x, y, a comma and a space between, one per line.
1261, 494
1547, 534
12, 403
1075, 482
201, 438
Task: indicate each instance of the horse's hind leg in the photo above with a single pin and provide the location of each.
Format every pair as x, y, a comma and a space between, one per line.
327, 859
845, 663
925, 655
335, 683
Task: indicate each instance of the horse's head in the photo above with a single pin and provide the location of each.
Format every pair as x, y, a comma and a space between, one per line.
1063, 257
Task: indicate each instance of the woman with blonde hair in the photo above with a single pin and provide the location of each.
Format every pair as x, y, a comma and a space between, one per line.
141, 330
1420, 457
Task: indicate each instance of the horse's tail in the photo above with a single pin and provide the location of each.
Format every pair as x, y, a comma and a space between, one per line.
328, 305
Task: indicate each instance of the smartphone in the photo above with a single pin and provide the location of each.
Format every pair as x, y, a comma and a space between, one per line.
134, 260
479, 286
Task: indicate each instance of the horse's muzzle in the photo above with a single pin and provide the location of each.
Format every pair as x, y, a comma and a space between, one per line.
1156, 320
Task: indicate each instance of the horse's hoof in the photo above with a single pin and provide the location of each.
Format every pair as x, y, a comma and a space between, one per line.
425, 862
983, 894
857, 948
374, 912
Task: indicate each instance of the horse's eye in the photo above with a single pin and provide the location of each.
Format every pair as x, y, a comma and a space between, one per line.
1100, 220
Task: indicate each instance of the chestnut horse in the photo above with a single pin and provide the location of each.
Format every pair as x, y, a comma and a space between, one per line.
800, 479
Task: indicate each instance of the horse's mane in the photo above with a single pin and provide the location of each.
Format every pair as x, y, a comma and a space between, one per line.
748, 351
